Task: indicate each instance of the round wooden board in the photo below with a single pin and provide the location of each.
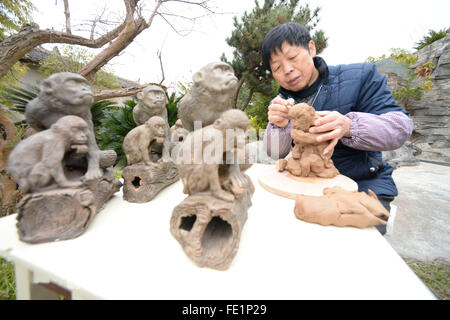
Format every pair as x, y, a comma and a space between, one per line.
286, 185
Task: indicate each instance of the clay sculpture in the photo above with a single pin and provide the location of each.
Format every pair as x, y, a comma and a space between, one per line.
341, 208
63, 175
147, 172
209, 222
212, 92
307, 158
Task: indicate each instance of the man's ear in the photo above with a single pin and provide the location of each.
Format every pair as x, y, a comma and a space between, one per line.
139, 95
197, 77
312, 48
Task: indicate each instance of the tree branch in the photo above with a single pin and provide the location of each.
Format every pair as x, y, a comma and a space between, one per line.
125, 92
67, 14
161, 65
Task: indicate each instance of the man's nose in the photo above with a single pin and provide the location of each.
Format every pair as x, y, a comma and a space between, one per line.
287, 67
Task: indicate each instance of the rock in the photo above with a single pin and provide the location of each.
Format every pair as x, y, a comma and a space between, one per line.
403, 156
431, 113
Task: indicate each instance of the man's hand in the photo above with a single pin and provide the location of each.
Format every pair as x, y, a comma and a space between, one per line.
278, 111
334, 124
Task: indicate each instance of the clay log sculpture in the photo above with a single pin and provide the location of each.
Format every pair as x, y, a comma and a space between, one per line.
142, 183
147, 173
63, 175
341, 208
209, 229
208, 223
307, 158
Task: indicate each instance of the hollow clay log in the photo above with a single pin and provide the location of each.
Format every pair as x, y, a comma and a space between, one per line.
55, 215
209, 229
62, 214
341, 208
142, 182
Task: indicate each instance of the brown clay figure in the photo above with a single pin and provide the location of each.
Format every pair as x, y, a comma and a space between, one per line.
36, 163
308, 158
209, 222
66, 179
139, 142
177, 132
152, 102
147, 172
341, 208
212, 93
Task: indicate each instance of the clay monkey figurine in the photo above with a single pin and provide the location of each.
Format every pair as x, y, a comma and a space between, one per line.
36, 163
214, 86
307, 155
65, 94
142, 140
199, 174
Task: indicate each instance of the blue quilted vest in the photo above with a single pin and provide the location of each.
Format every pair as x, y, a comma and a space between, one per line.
361, 88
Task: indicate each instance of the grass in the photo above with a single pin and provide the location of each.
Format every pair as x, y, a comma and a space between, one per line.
7, 281
435, 275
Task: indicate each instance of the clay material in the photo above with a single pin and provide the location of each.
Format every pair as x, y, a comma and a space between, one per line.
208, 223
212, 92
65, 178
341, 208
147, 173
307, 155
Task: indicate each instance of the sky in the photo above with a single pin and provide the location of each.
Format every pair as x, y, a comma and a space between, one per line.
355, 31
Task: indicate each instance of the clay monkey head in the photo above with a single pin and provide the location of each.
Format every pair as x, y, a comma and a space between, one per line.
152, 97
216, 77
66, 88
73, 128
158, 126
302, 116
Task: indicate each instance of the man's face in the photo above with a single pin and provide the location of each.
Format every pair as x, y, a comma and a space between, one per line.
293, 66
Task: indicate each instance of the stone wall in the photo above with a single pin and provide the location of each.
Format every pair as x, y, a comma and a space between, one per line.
431, 113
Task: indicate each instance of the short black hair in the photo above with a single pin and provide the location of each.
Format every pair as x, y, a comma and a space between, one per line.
292, 32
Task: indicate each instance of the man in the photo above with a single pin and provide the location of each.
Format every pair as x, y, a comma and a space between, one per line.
358, 112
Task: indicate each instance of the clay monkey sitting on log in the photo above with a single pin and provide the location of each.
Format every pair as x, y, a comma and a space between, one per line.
146, 172
308, 158
209, 222
65, 177
36, 163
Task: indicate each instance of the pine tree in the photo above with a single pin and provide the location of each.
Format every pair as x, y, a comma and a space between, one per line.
249, 33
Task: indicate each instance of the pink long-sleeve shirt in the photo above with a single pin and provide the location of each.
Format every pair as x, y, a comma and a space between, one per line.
369, 132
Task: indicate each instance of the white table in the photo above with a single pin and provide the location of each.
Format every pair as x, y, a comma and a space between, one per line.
128, 253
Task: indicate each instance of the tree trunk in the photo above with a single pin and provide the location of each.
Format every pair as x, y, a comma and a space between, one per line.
235, 98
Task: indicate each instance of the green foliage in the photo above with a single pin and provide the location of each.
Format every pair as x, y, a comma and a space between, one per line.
430, 38
14, 14
98, 111
7, 281
115, 124
171, 106
72, 59
408, 59
257, 109
248, 35
17, 71
17, 97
